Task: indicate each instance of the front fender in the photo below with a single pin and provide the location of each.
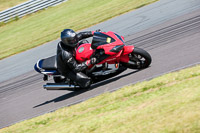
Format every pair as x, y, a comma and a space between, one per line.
127, 49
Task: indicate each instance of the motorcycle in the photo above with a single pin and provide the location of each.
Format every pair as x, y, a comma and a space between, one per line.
111, 52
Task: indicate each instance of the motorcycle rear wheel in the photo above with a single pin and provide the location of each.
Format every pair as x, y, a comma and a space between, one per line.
139, 59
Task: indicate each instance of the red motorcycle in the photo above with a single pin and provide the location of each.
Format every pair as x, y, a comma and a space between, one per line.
112, 54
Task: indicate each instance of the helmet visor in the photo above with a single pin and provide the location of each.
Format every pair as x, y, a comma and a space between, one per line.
72, 42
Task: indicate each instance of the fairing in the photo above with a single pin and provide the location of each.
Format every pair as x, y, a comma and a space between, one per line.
100, 38
84, 52
112, 44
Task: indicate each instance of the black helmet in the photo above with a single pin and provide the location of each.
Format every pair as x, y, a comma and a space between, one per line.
69, 38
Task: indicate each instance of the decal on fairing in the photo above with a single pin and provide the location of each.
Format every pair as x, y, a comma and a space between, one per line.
81, 49
108, 40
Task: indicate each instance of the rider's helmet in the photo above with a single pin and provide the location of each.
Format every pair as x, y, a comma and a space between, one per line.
69, 37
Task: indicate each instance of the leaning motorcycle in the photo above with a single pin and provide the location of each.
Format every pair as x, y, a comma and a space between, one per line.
113, 56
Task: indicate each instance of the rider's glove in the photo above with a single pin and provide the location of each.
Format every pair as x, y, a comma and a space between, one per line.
92, 61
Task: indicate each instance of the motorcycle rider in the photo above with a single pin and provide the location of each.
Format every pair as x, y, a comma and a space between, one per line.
66, 63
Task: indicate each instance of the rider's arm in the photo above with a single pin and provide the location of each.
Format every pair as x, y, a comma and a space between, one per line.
86, 34
70, 61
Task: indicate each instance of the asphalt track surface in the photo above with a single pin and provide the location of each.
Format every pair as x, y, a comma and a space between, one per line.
173, 42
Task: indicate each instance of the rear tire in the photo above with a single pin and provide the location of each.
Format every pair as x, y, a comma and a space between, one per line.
139, 59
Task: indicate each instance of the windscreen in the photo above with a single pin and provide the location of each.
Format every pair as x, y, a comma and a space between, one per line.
118, 36
101, 39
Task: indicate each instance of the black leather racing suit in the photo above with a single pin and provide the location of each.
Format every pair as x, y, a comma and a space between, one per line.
68, 66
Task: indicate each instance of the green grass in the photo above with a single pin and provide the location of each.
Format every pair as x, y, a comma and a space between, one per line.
167, 104
46, 25
5, 4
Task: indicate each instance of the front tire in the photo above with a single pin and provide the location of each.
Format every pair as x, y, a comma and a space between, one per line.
139, 59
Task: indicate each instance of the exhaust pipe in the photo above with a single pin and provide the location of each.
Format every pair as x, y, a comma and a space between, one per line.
55, 86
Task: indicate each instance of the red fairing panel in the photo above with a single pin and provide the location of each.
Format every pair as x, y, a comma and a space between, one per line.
109, 46
128, 49
107, 49
84, 52
112, 59
124, 58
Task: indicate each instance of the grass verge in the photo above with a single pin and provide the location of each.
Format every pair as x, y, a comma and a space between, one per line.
5, 4
46, 25
167, 104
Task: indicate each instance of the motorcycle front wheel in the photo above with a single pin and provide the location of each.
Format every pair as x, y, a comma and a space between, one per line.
139, 59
